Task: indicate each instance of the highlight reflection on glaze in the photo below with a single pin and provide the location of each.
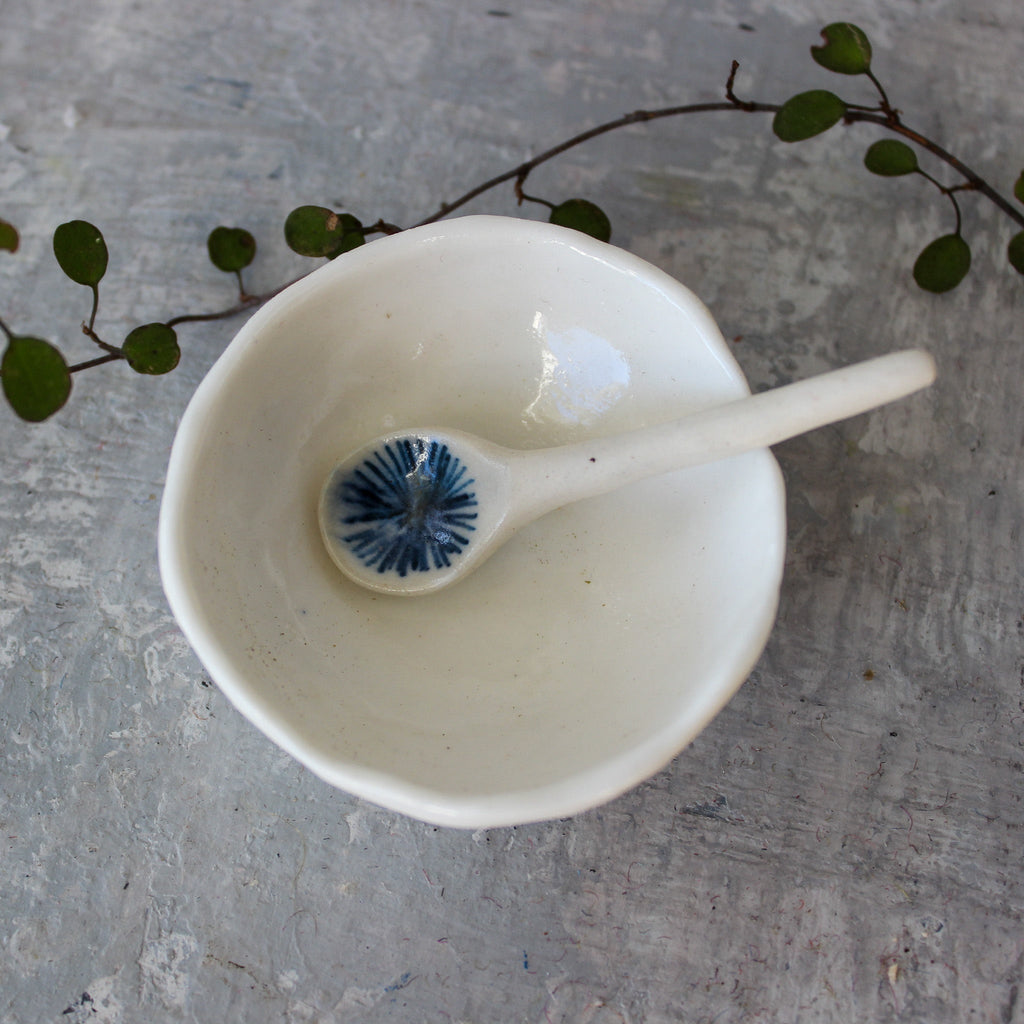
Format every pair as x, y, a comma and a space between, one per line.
407, 507
582, 376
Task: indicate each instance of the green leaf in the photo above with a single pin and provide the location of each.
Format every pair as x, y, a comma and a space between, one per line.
318, 231
81, 252
584, 216
231, 249
36, 379
1018, 187
846, 49
1015, 251
152, 348
943, 264
352, 238
808, 114
8, 236
890, 158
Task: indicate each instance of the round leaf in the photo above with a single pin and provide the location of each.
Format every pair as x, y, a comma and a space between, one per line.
35, 377
846, 49
890, 158
231, 249
318, 231
808, 114
584, 216
1018, 187
1015, 251
943, 264
8, 236
81, 252
351, 238
152, 348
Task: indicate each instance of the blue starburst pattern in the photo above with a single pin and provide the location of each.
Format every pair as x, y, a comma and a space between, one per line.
408, 507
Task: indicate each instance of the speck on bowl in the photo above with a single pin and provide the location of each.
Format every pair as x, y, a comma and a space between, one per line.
583, 656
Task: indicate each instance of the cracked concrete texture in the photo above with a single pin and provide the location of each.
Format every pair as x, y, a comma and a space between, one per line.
843, 842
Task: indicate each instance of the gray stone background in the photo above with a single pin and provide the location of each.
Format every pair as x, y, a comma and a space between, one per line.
842, 844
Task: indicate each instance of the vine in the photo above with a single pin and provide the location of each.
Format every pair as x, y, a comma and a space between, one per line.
37, 379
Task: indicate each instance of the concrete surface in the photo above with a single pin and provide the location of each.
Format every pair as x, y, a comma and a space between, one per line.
842, 844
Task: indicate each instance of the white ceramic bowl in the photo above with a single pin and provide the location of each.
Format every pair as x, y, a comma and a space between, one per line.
588, 651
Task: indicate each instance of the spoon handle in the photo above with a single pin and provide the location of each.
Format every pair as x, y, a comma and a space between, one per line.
558, 476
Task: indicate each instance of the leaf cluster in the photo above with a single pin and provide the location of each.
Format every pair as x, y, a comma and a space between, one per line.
35, 375
36, 378
846, 50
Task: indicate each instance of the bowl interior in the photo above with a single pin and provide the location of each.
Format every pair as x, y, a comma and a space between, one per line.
581, 657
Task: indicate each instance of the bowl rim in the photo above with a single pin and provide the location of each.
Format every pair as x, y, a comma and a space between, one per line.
570, 795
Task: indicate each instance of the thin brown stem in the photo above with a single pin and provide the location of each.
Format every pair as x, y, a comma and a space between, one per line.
521, 173
891, 113
247, 300
730, 91
244, 303
956, 209
110, 357
95, 309
221, 314
522, 197
973, 179
948, 192
382, 227
87, 330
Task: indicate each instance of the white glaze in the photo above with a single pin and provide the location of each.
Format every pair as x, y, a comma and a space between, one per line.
561, 673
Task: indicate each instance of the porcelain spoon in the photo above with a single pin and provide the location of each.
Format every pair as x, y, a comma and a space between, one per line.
416, 510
